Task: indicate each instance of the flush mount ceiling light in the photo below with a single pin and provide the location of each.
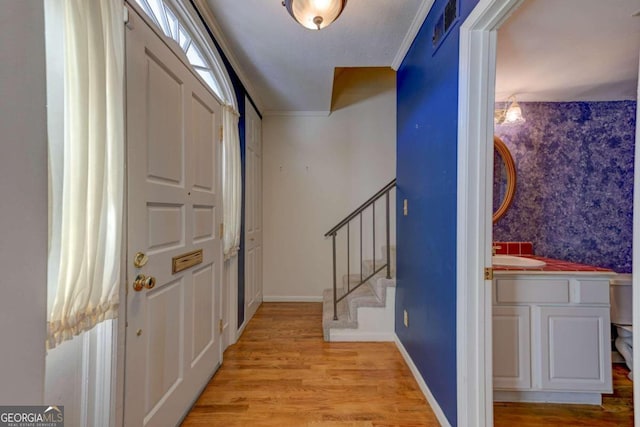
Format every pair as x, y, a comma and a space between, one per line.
315, 14
511, 113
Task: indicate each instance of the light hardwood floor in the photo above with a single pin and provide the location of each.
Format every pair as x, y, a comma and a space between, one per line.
616, 409
282, 373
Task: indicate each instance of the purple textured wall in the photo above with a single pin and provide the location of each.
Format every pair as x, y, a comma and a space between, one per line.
574, 198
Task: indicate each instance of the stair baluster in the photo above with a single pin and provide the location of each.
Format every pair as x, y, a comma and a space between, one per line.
333, 233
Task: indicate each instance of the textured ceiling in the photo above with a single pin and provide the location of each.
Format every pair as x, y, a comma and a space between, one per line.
569, 50
292, 68
548, 50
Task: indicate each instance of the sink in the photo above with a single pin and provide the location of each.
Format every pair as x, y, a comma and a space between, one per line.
516, 261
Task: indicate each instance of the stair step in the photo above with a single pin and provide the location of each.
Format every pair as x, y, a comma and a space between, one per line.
380, 287
352, 279
370, 294
368, 267
344, 321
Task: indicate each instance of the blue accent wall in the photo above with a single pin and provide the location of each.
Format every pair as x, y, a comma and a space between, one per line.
240, 93
427, 83
574, 195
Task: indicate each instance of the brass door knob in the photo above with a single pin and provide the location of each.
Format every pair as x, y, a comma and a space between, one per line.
143, 281
150, 282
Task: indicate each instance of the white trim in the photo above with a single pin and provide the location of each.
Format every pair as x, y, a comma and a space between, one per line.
240, 330
213, 25
475, 156
547, 397
278, 298
353, 335
119, 343
291, 113
105, 348
87, 379
435, 407
636, 262
412, 32
97, 379
189, 17
230, 324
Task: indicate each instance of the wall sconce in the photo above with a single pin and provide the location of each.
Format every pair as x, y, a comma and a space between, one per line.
315, 14
510, 114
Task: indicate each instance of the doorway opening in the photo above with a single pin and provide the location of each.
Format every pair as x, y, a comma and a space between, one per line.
478, 51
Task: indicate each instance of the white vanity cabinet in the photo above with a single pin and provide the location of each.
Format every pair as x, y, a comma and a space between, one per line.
551, 337
512, 347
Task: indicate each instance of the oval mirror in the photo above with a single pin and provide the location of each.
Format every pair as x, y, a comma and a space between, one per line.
504, 179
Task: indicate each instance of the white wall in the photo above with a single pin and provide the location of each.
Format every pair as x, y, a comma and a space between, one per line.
23, 212
316, 170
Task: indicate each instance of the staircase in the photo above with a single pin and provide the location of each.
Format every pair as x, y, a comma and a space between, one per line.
361, 305
366, 314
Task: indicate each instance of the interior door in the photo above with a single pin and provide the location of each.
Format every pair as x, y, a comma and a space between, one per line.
173, 184
253, 211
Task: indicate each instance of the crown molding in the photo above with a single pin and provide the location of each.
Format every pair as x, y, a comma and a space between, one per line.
293, 113
421, 15
211, 22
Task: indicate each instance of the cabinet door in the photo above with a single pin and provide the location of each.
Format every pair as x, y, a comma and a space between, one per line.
511, 347
573, 343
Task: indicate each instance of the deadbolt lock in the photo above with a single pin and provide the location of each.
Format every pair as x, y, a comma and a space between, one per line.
143, 281
140, 260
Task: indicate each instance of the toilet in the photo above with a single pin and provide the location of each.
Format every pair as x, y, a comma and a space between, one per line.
620, 291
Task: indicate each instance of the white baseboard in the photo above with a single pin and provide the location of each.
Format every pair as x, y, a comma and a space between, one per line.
275, 298
352, 335
547, 397
240, 330
437, 410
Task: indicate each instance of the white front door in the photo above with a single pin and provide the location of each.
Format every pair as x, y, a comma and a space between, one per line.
253, 211
173, 173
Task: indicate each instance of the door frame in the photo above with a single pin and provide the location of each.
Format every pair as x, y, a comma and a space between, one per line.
477, 72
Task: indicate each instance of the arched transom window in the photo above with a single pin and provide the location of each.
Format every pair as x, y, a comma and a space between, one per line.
176, 23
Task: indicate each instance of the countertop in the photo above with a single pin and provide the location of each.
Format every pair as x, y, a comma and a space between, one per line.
553, 266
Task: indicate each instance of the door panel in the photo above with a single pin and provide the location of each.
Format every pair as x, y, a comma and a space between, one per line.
164, 124
203, 223
164, 370
203, 302
173, 189
204, 160
166, 226
253, 212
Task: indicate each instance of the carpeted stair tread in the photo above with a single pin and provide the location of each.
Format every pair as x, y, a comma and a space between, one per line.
367, 295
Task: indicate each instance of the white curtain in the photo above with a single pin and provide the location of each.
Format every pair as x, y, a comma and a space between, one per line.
231, 182
89, 197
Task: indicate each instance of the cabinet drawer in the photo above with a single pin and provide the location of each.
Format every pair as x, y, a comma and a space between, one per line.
531, 291
590, 291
